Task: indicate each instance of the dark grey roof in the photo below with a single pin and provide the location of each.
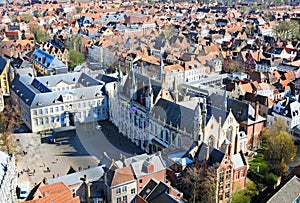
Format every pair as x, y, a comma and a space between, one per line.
215, 156
37, 91
140, 80
3, 63
106, 79
161, 194
174, 114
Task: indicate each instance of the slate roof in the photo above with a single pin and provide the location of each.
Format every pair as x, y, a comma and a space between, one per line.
288, 192
138, 167
161, 194
140, 80
37, 91
46, 60
215, 155
264, 100
175, 114
92, 174
3, 63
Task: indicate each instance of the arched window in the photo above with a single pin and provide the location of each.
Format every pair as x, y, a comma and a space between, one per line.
167, 137
229, 133
210, 141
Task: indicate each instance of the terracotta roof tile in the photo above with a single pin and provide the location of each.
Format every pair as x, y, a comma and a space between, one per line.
122, 175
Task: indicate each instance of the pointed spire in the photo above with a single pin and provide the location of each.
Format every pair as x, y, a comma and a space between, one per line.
224, 106
161, 65
150, 86
198, 109
133, 79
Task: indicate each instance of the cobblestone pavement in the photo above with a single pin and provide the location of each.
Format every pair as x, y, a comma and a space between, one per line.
83, 150
57, 157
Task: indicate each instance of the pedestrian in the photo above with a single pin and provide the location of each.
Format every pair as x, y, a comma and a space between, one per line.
44, 164
57, 175
56, 160
53, 176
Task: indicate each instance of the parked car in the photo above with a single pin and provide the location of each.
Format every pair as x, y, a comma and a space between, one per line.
52, 140
98, 127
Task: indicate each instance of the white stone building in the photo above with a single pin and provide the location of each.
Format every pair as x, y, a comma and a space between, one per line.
60, 100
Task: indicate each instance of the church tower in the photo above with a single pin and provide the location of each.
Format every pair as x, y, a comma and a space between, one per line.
149, 96
198, 122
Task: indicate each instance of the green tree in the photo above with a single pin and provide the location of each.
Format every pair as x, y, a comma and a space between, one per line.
244, 196
9, 119
279, 146
26, 17
76, 58
287, 30
40, 35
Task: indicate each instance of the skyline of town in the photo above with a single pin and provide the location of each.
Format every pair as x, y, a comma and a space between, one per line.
149, 101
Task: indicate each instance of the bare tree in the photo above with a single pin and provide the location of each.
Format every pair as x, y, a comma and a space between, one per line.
199, 184
9, 119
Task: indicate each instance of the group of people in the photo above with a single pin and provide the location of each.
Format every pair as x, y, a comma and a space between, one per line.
28, 171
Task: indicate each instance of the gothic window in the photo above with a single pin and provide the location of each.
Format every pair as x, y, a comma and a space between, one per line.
229, 133
211, 141
167, 137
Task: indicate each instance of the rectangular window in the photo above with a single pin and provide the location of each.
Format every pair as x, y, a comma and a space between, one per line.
34, 112
79, 105
51, 109
228, 175
46, 120
125, 199
221, 177
83, 104
242, 174
118, 191
46, 110
62, 108
40, 111
52, 119
124, 189
35, 122
41, 121
56, 109
132, 191
119, 200
141, 180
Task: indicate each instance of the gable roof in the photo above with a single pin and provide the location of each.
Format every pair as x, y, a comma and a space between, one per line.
289, 192
56, 192
174, 114
92, 174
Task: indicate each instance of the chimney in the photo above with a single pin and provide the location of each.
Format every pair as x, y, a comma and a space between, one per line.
256, 110
87, 192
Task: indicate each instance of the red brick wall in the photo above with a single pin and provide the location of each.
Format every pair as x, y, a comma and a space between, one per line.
239, 176
142, 181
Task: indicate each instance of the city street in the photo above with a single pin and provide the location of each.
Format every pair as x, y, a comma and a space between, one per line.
81, 151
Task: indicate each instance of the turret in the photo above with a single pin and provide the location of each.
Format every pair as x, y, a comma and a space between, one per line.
149, 96
198, 122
